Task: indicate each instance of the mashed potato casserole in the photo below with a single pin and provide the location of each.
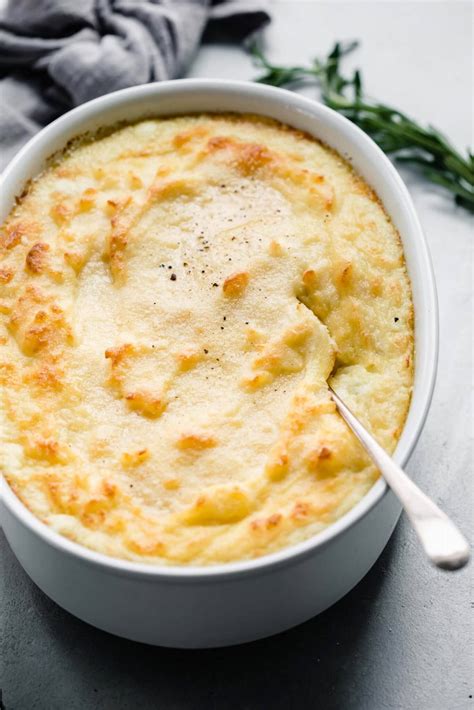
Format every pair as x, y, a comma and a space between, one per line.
174, 296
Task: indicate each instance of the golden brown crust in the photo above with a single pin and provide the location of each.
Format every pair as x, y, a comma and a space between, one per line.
235, 284
196, 442
174, 296
145, 401
6, 275
38, 323
36, 258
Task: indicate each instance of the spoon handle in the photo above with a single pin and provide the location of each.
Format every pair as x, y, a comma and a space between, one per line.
444, 544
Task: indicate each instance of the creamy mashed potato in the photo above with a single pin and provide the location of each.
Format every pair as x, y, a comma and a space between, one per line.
174, 296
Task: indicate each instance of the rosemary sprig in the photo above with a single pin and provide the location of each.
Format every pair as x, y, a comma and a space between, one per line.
397, 134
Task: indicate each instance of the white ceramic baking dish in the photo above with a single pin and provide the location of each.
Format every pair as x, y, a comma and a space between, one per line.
196, 607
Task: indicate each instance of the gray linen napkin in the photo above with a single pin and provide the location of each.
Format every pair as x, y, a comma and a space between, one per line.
56, 54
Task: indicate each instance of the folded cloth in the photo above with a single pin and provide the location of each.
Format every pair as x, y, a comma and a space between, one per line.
56, 54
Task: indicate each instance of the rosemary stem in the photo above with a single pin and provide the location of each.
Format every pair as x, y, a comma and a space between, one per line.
396, 133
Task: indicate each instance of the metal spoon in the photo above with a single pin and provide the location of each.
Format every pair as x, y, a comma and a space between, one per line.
444, 544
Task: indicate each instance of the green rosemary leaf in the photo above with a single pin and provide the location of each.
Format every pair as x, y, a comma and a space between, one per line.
423, 147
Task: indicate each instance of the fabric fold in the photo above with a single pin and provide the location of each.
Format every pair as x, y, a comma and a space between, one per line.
57, 54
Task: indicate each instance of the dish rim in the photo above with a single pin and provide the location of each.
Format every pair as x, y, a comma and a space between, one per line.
296, 103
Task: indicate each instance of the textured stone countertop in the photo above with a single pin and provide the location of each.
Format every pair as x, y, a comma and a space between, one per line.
402, 638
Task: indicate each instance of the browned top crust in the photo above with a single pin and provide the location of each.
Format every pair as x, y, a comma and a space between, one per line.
173, 299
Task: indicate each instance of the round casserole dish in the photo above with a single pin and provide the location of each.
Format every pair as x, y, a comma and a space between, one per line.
198, 607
